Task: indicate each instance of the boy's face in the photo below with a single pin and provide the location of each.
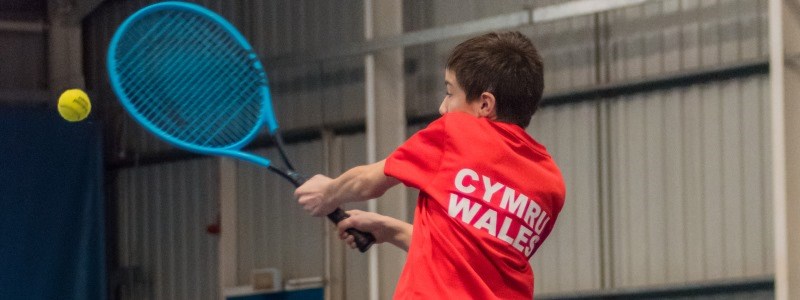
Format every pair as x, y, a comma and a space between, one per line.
455, 99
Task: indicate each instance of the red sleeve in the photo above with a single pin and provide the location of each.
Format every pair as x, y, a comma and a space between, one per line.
416, 162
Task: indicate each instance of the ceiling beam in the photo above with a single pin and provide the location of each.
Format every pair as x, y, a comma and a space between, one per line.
71, 12
23, 26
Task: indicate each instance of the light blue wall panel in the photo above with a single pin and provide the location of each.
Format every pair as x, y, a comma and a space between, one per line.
569, 260
273, 230
162, 213
690, 195
669, 36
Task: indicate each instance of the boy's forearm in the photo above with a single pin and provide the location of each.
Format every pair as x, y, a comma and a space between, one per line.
399, 233
361, 183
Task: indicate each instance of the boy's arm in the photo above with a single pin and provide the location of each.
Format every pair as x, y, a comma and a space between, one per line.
321, 195
385, 229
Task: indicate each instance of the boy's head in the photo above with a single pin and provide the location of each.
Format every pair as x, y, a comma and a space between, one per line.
500, 73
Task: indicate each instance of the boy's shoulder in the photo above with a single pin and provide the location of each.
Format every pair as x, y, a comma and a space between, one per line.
463, 126
459, 125
466, 124
469, 131
452, 119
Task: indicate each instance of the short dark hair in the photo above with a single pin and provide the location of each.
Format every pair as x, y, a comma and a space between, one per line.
505, 64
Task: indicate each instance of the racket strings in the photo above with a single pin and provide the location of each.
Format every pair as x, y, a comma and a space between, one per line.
215, 67
190, 79
149, 81
136, 83
153, 80
191, 94
227, 128
234, 123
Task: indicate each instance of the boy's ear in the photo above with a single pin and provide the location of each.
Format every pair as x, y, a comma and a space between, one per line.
486, 106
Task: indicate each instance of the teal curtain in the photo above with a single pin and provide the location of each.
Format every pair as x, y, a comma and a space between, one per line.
51, 207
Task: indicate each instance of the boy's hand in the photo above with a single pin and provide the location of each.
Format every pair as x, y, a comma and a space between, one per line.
313, 196
365, 222
383, 228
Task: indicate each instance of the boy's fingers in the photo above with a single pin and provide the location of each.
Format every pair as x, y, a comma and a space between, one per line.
344, 225
354, 212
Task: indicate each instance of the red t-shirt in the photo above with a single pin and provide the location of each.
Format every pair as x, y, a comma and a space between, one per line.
489, 196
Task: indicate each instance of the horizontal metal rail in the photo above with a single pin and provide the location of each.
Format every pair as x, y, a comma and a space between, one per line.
499, 22
24, 97
662, 82
23, 27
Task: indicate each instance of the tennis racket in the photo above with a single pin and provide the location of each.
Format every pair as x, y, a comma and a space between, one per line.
189, 77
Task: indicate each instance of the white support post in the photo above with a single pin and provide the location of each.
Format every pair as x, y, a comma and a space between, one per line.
385, 93
65, 42
228, 235
23, 27
335, 263
784, 39
76, 10
65, 57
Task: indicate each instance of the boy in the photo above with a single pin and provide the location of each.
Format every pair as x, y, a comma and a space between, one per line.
489, 193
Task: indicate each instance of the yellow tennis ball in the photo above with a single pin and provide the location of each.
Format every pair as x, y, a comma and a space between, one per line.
74, 105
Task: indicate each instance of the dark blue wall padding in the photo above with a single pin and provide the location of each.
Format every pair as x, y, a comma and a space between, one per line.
307, 294
51, 207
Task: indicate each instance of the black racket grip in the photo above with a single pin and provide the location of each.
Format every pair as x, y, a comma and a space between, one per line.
364, 240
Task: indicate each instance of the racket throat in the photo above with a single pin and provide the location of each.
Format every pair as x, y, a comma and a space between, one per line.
295, 178
278, 138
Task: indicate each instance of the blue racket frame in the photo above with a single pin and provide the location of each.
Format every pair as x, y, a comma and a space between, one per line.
267, 112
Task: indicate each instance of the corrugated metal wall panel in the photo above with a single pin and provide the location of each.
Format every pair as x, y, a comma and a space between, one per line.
343, 93
668, 36
424, 80
163, 213
24, 59
568, 52
569, 260
295, 103
273, 230
689, 200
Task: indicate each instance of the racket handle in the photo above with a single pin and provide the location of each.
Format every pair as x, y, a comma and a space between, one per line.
364, 240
